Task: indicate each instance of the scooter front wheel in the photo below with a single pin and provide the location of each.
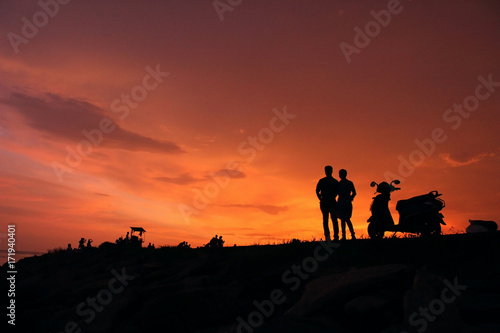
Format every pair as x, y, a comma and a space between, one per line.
374, 232
436, 229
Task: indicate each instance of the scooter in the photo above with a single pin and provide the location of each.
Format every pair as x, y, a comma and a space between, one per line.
419, 215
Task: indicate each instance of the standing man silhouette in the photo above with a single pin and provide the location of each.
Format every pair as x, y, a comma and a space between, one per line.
326, 190
346, 192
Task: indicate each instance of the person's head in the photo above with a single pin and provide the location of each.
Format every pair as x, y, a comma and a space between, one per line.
342, 174
328, 170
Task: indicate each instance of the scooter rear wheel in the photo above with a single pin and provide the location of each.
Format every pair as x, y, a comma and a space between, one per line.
432, 229
437, 229
374, 232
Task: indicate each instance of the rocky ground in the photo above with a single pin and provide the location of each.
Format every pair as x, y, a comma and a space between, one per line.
444, 284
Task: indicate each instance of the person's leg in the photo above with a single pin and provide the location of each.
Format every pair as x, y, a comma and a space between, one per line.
326, 230
342, 224
351, 229
335, 222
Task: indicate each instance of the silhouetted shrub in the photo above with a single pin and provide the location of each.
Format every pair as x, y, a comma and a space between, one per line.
184, 245
56, 250
106, 245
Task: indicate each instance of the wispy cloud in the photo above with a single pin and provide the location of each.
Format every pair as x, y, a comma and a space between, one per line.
186, 178
268, 209
464, 159
66, 118
230, 173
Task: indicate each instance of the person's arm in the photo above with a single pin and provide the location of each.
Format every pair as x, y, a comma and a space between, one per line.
318, 191
353, 192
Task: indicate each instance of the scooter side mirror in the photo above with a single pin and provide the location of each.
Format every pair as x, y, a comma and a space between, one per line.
373, 184
396, 181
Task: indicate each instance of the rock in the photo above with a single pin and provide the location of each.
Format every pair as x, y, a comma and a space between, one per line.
431, 305
382, 306
291, 324
342, 287
477, 306
481, 226
473, 228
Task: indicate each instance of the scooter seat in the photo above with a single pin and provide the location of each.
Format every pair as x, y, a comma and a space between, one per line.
416, 201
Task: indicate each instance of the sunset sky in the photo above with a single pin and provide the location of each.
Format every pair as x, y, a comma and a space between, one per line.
192, 119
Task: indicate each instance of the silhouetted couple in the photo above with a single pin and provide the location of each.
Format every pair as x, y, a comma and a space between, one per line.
216, 242
327, 190
81, 244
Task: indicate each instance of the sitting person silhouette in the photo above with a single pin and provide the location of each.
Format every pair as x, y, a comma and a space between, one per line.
346, 192
214, 242
220, 242
326, 191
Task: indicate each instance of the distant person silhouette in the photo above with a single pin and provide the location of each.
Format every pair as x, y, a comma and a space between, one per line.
89, 243
220, 242
346, 192
81, 244
69, 247
214, 242
326, 190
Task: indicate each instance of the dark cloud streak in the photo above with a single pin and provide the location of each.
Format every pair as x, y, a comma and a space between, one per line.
67, 118
187, 179
268, 209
